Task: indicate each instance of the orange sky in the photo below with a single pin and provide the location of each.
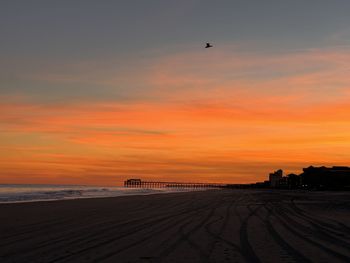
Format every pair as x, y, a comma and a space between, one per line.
226, 116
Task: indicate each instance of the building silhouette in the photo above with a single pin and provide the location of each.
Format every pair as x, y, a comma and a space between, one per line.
313, 178
275, 178
294, 181
334, 178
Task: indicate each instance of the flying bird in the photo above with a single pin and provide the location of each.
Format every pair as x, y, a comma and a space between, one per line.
208, 45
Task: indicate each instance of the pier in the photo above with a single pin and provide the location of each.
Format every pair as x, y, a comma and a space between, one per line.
138, 183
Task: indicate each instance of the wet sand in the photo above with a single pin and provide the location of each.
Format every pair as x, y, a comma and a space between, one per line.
209, 226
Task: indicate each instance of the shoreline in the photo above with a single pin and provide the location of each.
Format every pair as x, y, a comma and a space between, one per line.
110, 194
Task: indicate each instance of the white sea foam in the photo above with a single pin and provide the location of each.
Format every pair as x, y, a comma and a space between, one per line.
34, 193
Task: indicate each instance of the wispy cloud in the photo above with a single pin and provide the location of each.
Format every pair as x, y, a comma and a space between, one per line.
228, 115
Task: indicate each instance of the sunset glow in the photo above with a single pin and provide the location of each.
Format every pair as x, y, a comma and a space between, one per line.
227, 114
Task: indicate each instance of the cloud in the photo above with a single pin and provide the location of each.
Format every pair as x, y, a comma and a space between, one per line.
159, 76
227, 115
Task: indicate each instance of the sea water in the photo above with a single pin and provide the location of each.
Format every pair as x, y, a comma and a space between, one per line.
14, 193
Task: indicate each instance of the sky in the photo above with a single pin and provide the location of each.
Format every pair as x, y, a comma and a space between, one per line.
95, 92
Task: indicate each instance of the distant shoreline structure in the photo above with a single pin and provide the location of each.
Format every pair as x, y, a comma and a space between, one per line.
312, 178
138, 183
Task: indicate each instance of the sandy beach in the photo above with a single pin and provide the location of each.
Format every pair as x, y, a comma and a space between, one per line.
205, 226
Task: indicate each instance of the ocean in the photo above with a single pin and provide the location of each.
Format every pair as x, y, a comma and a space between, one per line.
16, 193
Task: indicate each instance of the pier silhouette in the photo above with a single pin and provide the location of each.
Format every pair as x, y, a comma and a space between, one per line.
138, 183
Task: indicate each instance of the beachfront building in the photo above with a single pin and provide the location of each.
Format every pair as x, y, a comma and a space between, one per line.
334, 178
313, 178
294, 181
275, 178
283, 183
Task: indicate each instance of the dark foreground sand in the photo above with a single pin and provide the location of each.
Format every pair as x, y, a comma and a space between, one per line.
210, 226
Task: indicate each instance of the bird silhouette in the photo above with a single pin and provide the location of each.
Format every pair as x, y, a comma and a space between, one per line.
208, 45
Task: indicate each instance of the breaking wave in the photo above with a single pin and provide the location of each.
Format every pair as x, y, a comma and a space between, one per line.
33, 193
